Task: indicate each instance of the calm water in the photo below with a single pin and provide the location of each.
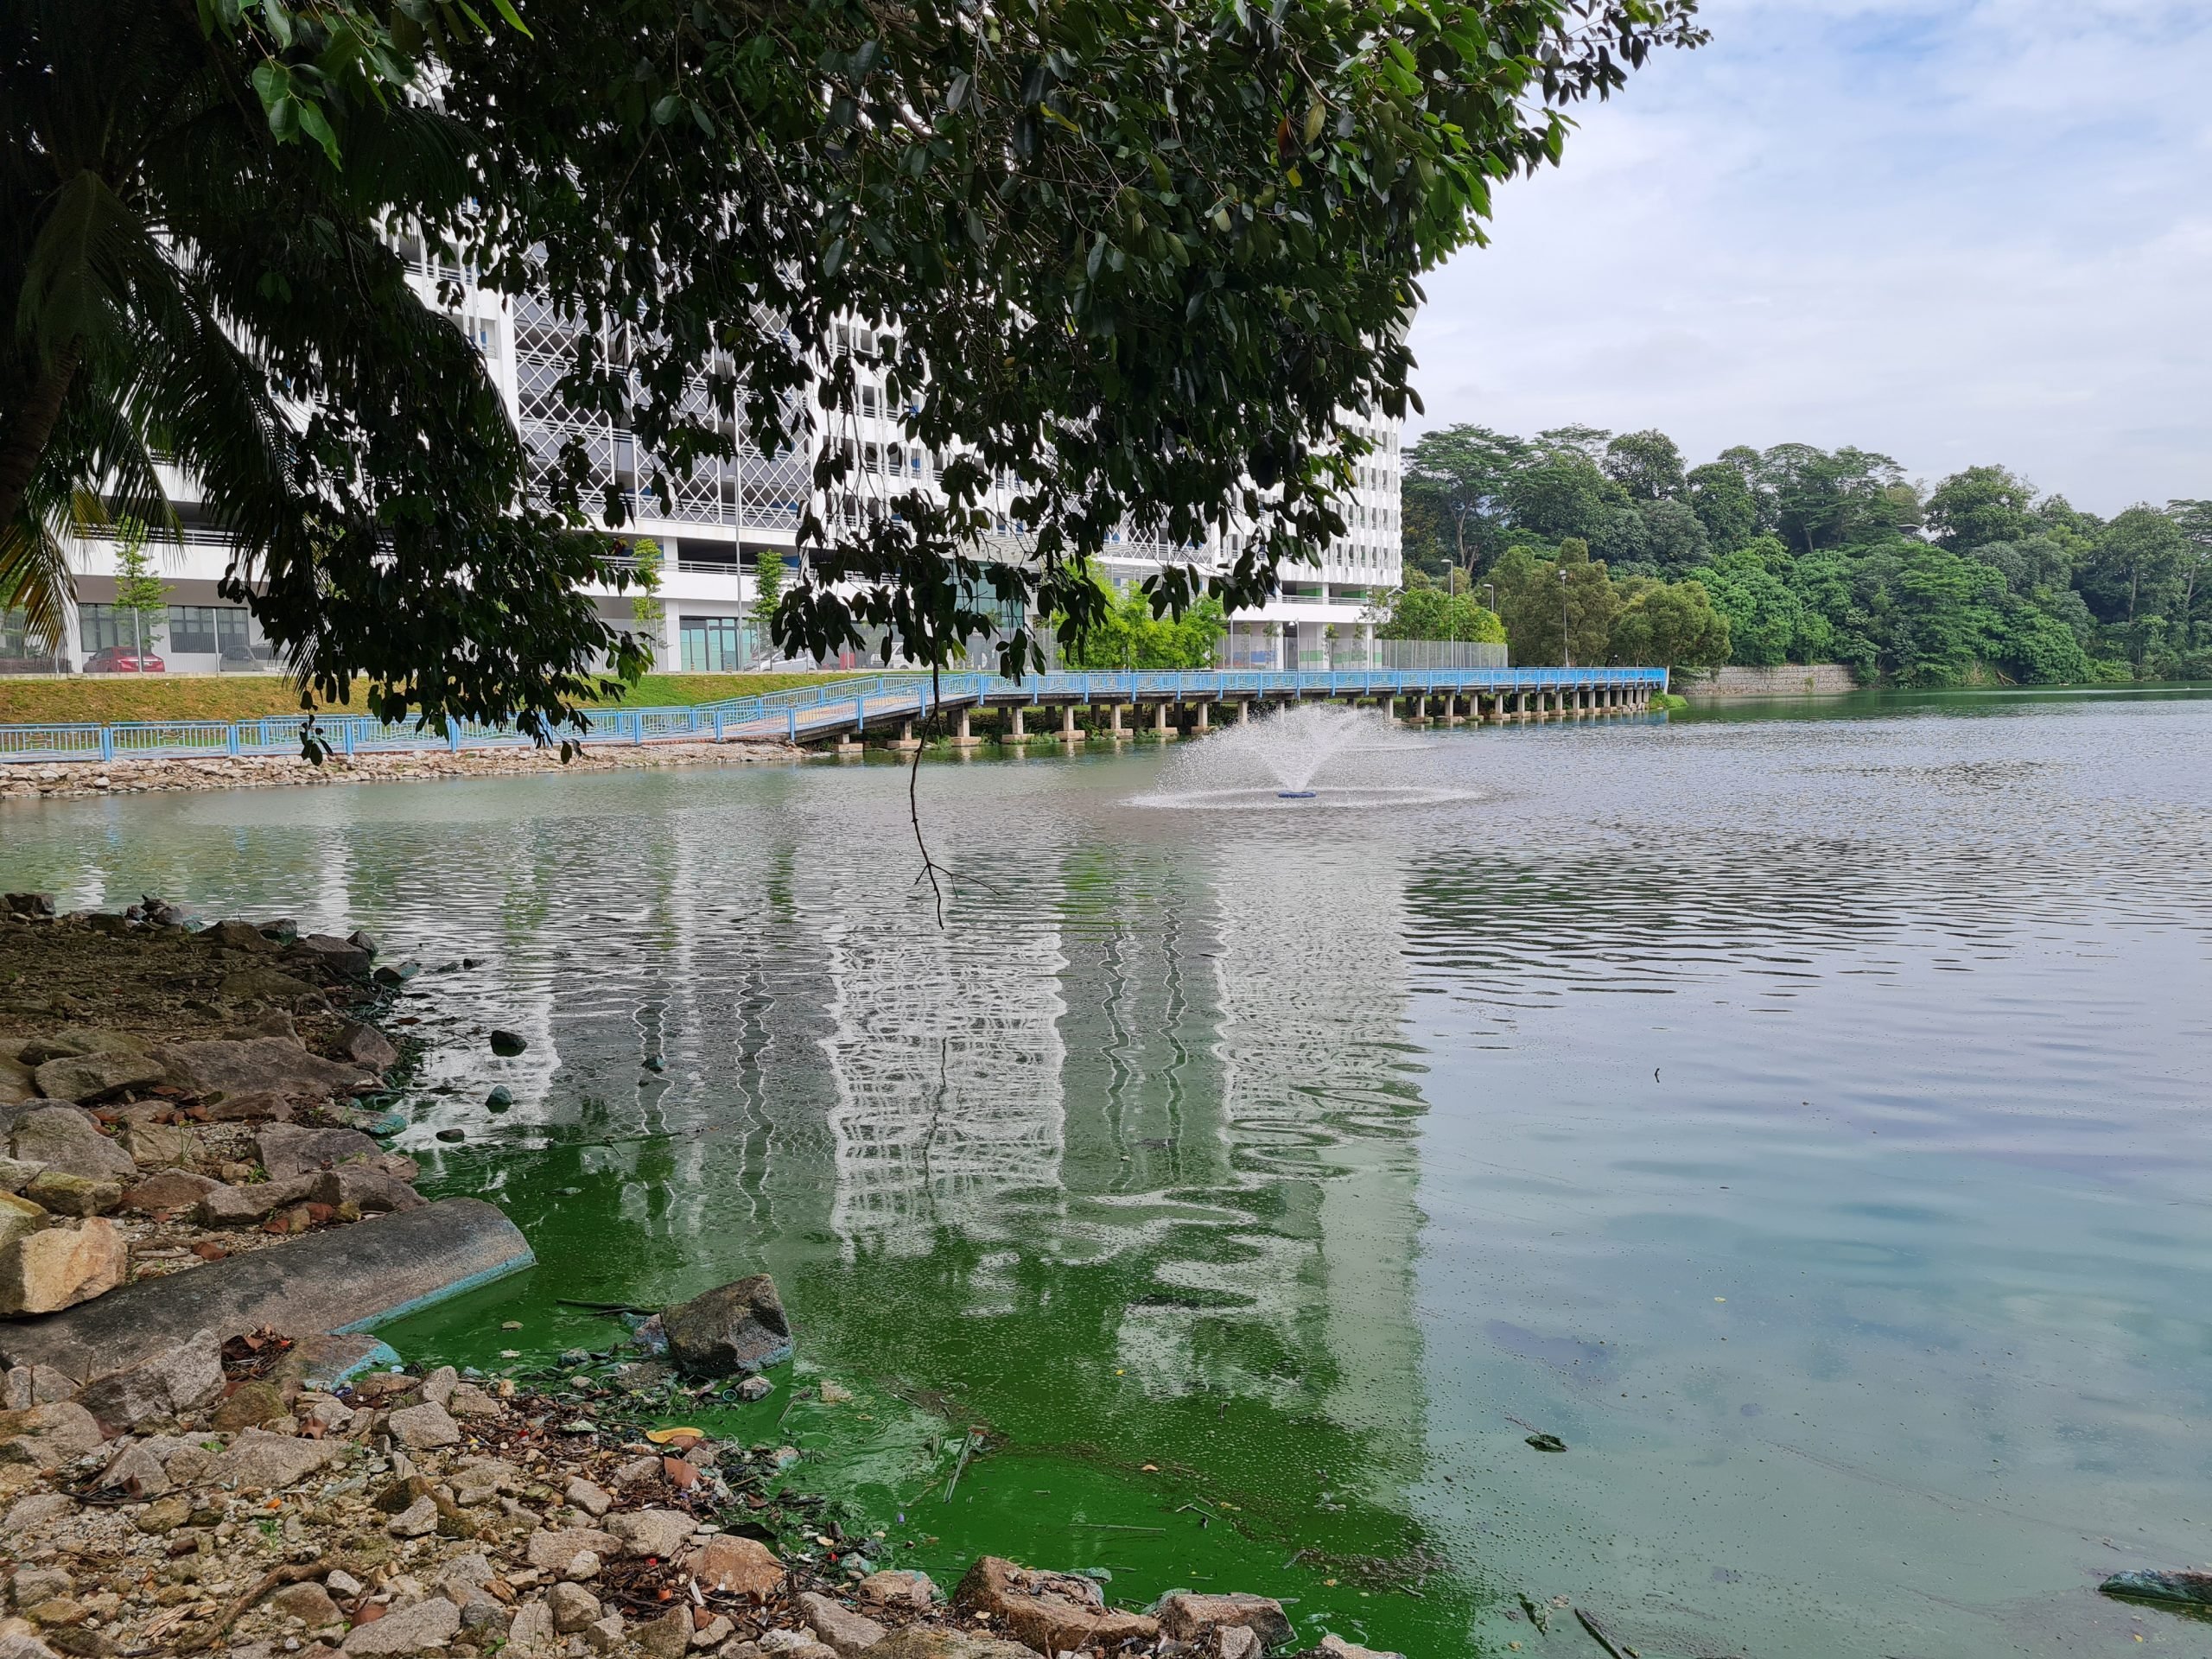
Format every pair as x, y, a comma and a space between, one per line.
1800, 1112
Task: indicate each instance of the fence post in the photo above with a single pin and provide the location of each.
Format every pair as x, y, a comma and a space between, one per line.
234, 740
718, 724
860, 716
107, 744
790, 723
637, 728
453, 735
347, 727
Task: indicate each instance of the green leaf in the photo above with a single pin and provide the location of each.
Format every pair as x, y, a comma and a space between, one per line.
280, 24
506, 8
313, 124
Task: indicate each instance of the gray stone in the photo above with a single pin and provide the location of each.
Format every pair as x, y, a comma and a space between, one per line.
1337, 1648
287, 1149
839, 1626
604, 1636
549, 1551
1238, 1641
20, 1216
339, 1582
136, 1471
896, 1587
424, 1627
572, 1607
418, 1520
732, 1328
97, 1077
1188, 1617
366, 1045
307, 1600
259, 1461
165, 1384
250, 1204
327, 953
35, 1385
654, 1532
668, 1636
742, 1566
37, 1510
61, 1137
755, 1387
344, 1277
438, 1386
49, 1435
425, 1428
531, 1629
591, 1499
259, 1066
370, 1191
15, 1175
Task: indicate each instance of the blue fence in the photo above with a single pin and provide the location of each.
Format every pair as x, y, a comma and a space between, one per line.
799, 712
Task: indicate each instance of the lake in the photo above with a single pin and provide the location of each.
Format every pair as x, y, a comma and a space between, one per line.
1798, 1109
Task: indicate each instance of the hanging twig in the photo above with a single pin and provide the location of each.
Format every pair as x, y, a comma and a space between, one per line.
913, 806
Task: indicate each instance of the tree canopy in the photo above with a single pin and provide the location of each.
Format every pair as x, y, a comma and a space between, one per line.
1139, 260
1807, 555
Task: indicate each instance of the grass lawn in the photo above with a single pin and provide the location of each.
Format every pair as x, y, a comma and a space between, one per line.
104, 698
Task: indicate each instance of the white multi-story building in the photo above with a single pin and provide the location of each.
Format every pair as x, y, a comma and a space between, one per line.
715, 527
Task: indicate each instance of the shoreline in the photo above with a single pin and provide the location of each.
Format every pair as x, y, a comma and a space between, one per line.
193, 1454
66, 779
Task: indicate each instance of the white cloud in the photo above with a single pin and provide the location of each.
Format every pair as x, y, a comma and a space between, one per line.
1953, 231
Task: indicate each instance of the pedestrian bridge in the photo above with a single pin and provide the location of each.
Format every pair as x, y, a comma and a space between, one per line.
848, 711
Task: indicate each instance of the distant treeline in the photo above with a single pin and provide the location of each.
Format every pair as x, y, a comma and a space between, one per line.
1801, 555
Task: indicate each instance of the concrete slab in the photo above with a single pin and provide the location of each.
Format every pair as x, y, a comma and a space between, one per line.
340, 1281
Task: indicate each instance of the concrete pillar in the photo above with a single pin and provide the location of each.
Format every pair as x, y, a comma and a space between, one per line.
906, 742
963, 738
1114, 720
1069, 732
1161, 731
1244, 711
1205, 721
1016, 730
1452, 716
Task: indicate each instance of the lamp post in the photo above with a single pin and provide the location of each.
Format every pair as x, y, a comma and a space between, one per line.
1566, 650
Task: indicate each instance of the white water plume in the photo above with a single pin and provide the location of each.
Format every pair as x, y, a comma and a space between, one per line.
1309, 755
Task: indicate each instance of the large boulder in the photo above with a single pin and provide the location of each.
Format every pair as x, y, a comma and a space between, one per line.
19, 1217
659, 1533
1051, 1612
165, 1384
1189, 1618
266, 985
58, 1267
838, 1626
235, 936
259, 1461
79, 1039
252, 1204
259, 1066
98, 1077
332, 957
61, 1193
168, 1190
368, 1190
366, 1045
286, 1149
61, 1137
731, 1329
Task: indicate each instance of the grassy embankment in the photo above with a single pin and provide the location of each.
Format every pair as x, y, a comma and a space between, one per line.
249, 696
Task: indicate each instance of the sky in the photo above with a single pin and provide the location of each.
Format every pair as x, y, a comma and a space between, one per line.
1952, 232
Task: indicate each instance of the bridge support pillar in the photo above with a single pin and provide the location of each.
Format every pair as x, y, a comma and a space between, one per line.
906, 742
1114, 720
849, 744
1015, 730
1202, 722
1418, 714
963, 738
1069, 732
1161, 731
1244, 710
1452, 714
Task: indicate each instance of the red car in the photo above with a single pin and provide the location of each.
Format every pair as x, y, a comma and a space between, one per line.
123, 659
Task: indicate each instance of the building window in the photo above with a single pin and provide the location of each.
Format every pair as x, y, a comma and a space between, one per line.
192, 628
712, 644
103, 627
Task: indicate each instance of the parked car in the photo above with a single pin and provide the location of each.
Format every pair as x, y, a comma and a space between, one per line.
123, 659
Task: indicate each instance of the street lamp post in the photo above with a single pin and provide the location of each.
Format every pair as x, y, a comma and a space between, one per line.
1566, 650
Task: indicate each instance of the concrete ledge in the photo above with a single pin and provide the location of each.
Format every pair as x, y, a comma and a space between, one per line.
338, 1280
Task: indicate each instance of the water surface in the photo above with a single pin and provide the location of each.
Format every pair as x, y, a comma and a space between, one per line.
1799, 1111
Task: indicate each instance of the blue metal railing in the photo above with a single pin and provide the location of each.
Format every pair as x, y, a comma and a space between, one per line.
799, 712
